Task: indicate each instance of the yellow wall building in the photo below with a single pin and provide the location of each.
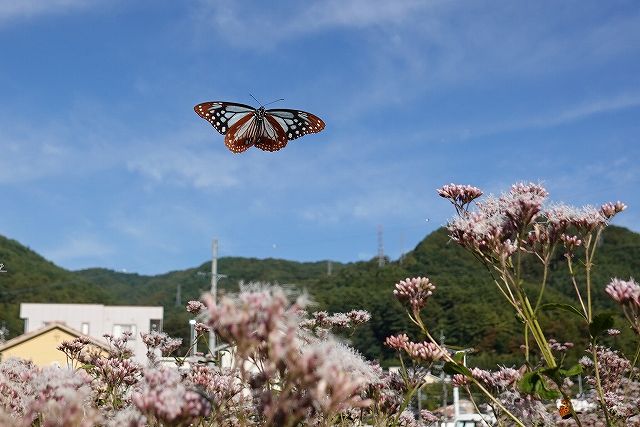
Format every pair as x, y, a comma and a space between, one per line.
41, 346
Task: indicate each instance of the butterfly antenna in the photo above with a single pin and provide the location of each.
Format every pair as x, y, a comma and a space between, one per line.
273, 102
256, 100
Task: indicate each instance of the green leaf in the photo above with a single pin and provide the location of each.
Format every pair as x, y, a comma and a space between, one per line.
600, 323
528, 381
534, 383
544, 392
454, 368
565, 307
572, 371
555, 374
458, 357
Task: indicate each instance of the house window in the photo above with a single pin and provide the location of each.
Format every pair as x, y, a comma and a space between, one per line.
118, 330
155, 325
84, 328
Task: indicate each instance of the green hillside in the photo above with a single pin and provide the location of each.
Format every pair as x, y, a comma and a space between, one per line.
162, 289
466, 307
31, 278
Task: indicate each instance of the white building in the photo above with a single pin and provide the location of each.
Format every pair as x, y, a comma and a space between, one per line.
95, 320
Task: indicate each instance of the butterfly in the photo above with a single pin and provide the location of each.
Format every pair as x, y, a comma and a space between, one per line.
244, 126
565, 409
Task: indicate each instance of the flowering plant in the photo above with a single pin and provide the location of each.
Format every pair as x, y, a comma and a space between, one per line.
285, 367
500, 232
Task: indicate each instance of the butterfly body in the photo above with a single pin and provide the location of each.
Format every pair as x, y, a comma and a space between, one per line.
565, 409
245, 126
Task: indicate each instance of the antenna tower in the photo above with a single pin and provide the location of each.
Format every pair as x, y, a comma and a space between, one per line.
380, 247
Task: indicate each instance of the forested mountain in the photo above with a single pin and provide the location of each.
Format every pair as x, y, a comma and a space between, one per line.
31, 278
466, 307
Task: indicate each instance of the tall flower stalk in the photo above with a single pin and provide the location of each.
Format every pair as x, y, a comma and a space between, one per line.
499, 233
414, 294
502, 230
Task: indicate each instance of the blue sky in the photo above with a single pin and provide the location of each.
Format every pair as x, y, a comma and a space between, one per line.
104, 163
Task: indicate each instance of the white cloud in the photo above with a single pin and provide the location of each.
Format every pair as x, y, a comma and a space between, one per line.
202, 169
244, 24
582, 111
379, 205
27, 159
12, 10
77, 248
409, 49
550, 118
77, 145
63, 146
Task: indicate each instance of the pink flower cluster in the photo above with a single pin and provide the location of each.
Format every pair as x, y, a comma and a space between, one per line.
195, 307
493, 229
459, 195
397, 342
624, 291
163, 396
609, 210
324, 320
423, 351
560, 347
159, 342
50, 396
414, 291
298, 375
427, 351
118, 347
502, 379
621, 395
459, 380
72, 349
627, 294
116, 372
523, 203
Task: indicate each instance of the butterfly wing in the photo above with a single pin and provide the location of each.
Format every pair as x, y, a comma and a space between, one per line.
223, 115
296, 123
242, 129
565, 409
266, 135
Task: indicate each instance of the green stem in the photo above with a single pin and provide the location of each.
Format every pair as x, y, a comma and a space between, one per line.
484, 390
545, 275
529, 313
589, 264
599, 382
538, 335
526, 344
473, 401
587, 267
573, 412
635, 360
575, 286
497, 402
405, 403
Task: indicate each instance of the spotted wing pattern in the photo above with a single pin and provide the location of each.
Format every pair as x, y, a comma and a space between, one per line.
223, 115
565, 409
268, 130
296, 123
265, 134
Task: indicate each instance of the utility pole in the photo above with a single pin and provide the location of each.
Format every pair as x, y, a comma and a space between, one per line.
179, 295
214, 289
329, 268
442, 375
